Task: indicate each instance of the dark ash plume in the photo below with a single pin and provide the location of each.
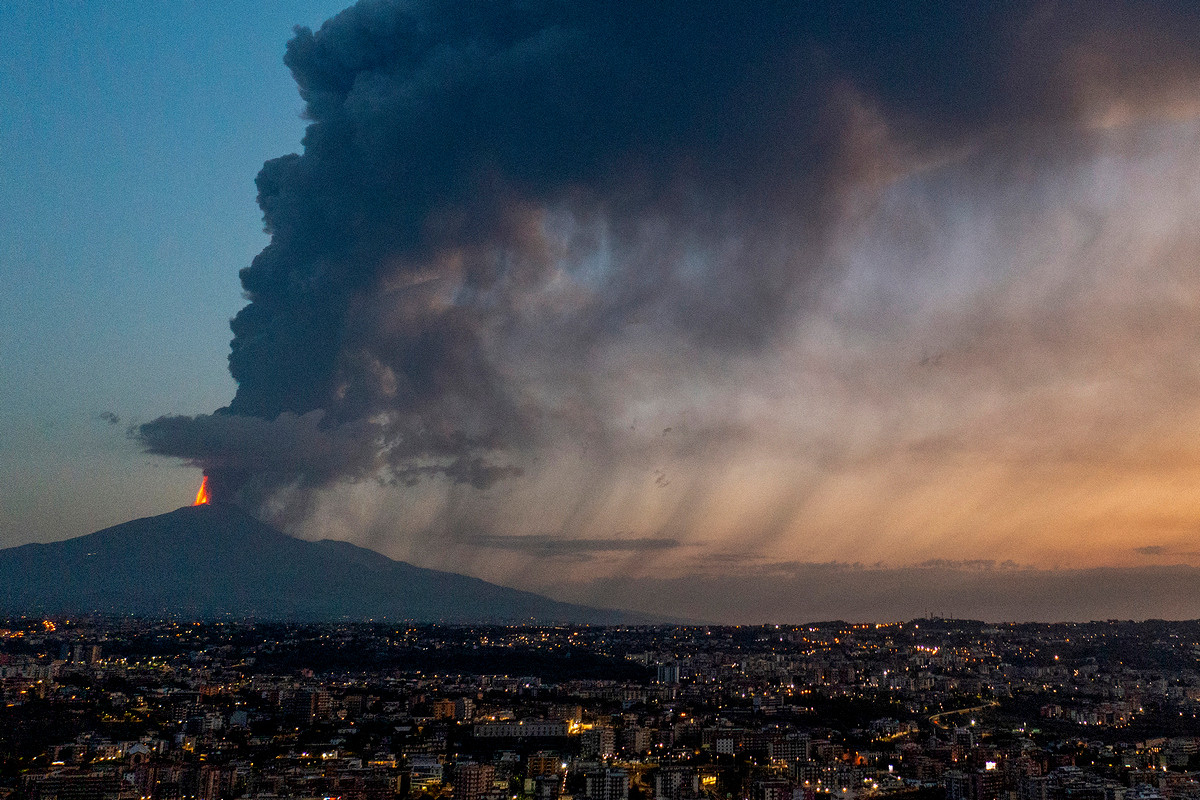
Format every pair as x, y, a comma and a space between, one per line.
491, 192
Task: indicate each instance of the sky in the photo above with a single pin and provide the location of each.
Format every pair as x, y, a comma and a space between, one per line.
735, 313
129, 142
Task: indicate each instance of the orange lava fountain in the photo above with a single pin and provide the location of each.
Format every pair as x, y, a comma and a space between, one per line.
202, 495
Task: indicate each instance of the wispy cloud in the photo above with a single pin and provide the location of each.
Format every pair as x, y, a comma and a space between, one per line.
550, 546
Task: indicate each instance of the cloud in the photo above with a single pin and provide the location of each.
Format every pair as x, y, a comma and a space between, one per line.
969, 565
109, 417
297, 453
1151, 550
899, 281
553, 546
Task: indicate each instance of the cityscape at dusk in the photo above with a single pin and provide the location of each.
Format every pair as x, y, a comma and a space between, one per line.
600, 400
126, 709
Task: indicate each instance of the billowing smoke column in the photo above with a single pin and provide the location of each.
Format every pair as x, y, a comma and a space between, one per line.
493, 191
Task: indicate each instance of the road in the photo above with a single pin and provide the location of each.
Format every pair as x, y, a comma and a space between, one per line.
935, 717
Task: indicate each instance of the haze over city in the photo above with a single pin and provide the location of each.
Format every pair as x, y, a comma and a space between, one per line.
723, 311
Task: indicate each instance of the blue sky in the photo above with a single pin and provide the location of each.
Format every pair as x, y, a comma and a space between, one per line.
129, 142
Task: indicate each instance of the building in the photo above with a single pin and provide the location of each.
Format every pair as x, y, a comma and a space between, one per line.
524, 729
607, 784
676, 783
473, 781
599, 742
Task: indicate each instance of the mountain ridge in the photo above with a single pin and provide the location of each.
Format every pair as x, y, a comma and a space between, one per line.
217, 560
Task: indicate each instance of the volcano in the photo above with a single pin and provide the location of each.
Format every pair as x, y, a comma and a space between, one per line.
215, 560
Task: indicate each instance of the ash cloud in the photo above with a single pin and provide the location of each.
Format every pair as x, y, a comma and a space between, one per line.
511, 219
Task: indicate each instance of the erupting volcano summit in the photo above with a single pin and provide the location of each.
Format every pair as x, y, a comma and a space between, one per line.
202, 495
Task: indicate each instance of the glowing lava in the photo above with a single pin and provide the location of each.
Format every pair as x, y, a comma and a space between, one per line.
202, 495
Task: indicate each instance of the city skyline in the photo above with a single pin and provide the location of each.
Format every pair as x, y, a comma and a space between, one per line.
928, 708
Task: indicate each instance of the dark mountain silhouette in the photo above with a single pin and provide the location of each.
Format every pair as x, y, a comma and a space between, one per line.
217, 560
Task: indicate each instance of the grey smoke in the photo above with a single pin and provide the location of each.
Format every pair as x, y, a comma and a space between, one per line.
498, 202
